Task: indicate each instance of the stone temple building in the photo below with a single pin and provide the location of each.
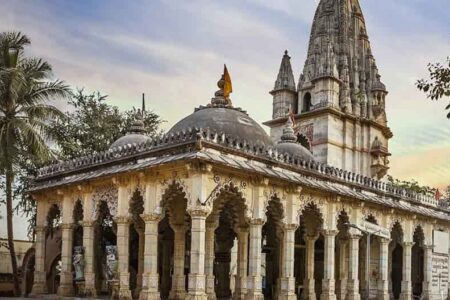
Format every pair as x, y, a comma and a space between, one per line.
218, 209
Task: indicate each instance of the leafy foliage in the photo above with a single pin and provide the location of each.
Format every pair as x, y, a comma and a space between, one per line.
412, 185
438, 86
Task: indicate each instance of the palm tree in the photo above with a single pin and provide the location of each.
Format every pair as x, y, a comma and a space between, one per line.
25, 89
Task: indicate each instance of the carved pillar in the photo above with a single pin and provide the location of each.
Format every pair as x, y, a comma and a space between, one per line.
309, 285
328, 282
353, 279
88, 244
383, 282
197, 279
140, 271
241, 278
343, 269
287, 269
428, 272
254, 286
209, 258
406, 293
178, 290
123, 239
150, 276
66, 278
39, 285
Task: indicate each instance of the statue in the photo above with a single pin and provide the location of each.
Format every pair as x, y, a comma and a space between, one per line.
78, 263
111, 263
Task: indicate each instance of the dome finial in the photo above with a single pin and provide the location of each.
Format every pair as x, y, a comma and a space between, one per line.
138, 124
288, 132
222, 96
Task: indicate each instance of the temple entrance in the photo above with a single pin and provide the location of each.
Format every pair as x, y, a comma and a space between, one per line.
224, 242
417, 262
396, 261
272, 241
105, 258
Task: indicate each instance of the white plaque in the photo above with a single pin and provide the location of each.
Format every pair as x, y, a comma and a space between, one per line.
440, 242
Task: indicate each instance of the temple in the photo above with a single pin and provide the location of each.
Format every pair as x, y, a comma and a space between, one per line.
218, 209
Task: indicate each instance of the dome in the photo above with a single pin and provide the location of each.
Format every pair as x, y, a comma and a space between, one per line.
221, 117
129, 138
135, 135
288, 144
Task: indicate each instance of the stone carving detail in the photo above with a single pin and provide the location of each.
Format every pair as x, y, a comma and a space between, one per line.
107, 194
111, 263
78, 262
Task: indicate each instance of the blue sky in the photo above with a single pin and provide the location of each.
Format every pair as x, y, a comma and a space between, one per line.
174, 51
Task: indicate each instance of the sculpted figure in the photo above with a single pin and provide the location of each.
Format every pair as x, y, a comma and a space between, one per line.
78, 263
111, 263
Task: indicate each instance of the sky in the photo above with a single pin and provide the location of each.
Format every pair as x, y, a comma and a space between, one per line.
174, 51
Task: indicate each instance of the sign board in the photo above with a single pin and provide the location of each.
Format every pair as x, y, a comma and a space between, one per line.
440, 242
439, 276
375, 229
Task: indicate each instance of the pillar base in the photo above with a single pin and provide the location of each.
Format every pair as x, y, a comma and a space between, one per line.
178, 289
196, 296
147, 295
405, 296
177, 295
125, 294
239, 295
383, 296
39, 288
353, 296
89, 290
210, 287
254, 288
287, 288
66, 290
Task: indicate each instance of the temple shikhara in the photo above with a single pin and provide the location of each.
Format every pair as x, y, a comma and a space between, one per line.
219, 209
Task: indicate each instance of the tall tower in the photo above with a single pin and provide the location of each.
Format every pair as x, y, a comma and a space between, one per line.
340, 103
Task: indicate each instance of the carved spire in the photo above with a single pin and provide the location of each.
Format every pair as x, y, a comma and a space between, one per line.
285, 78
339, 47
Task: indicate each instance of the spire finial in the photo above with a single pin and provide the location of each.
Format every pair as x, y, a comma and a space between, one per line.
221, 97
285, 52
143, 103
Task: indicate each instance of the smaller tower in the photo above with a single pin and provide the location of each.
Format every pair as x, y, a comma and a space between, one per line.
284, 92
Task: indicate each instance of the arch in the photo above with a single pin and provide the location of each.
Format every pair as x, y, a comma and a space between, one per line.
53, 275
28, 263
306, 102
371, 219
417, 261
310, 204
396, 258
53, 218
107, 194
304, 141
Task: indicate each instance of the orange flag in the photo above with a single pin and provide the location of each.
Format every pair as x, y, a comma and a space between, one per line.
227, 87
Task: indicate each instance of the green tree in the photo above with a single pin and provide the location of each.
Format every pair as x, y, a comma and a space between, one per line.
25, 89
438, 86
93, 125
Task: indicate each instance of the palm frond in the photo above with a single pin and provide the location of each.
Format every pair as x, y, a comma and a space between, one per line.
41, 112
45, 91
35, 68
11, 46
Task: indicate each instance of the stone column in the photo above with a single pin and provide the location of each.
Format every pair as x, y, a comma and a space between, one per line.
209, 258
254, 281
39, 285
343, 269
353, 279
383, 281
88, 244
197, 279
123, 240
242, 259
140, 270
406, 293
328, 282
310, 285
428, 272
66, 278
178, 290
287, 264
150, 276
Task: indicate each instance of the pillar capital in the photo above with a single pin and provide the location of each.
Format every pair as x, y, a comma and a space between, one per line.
384, 240
329, 232
66, 226
408, 244
39, 229
258, 221
199, 211
311, 238
87, 223
151, 217
290, 227
122, 220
